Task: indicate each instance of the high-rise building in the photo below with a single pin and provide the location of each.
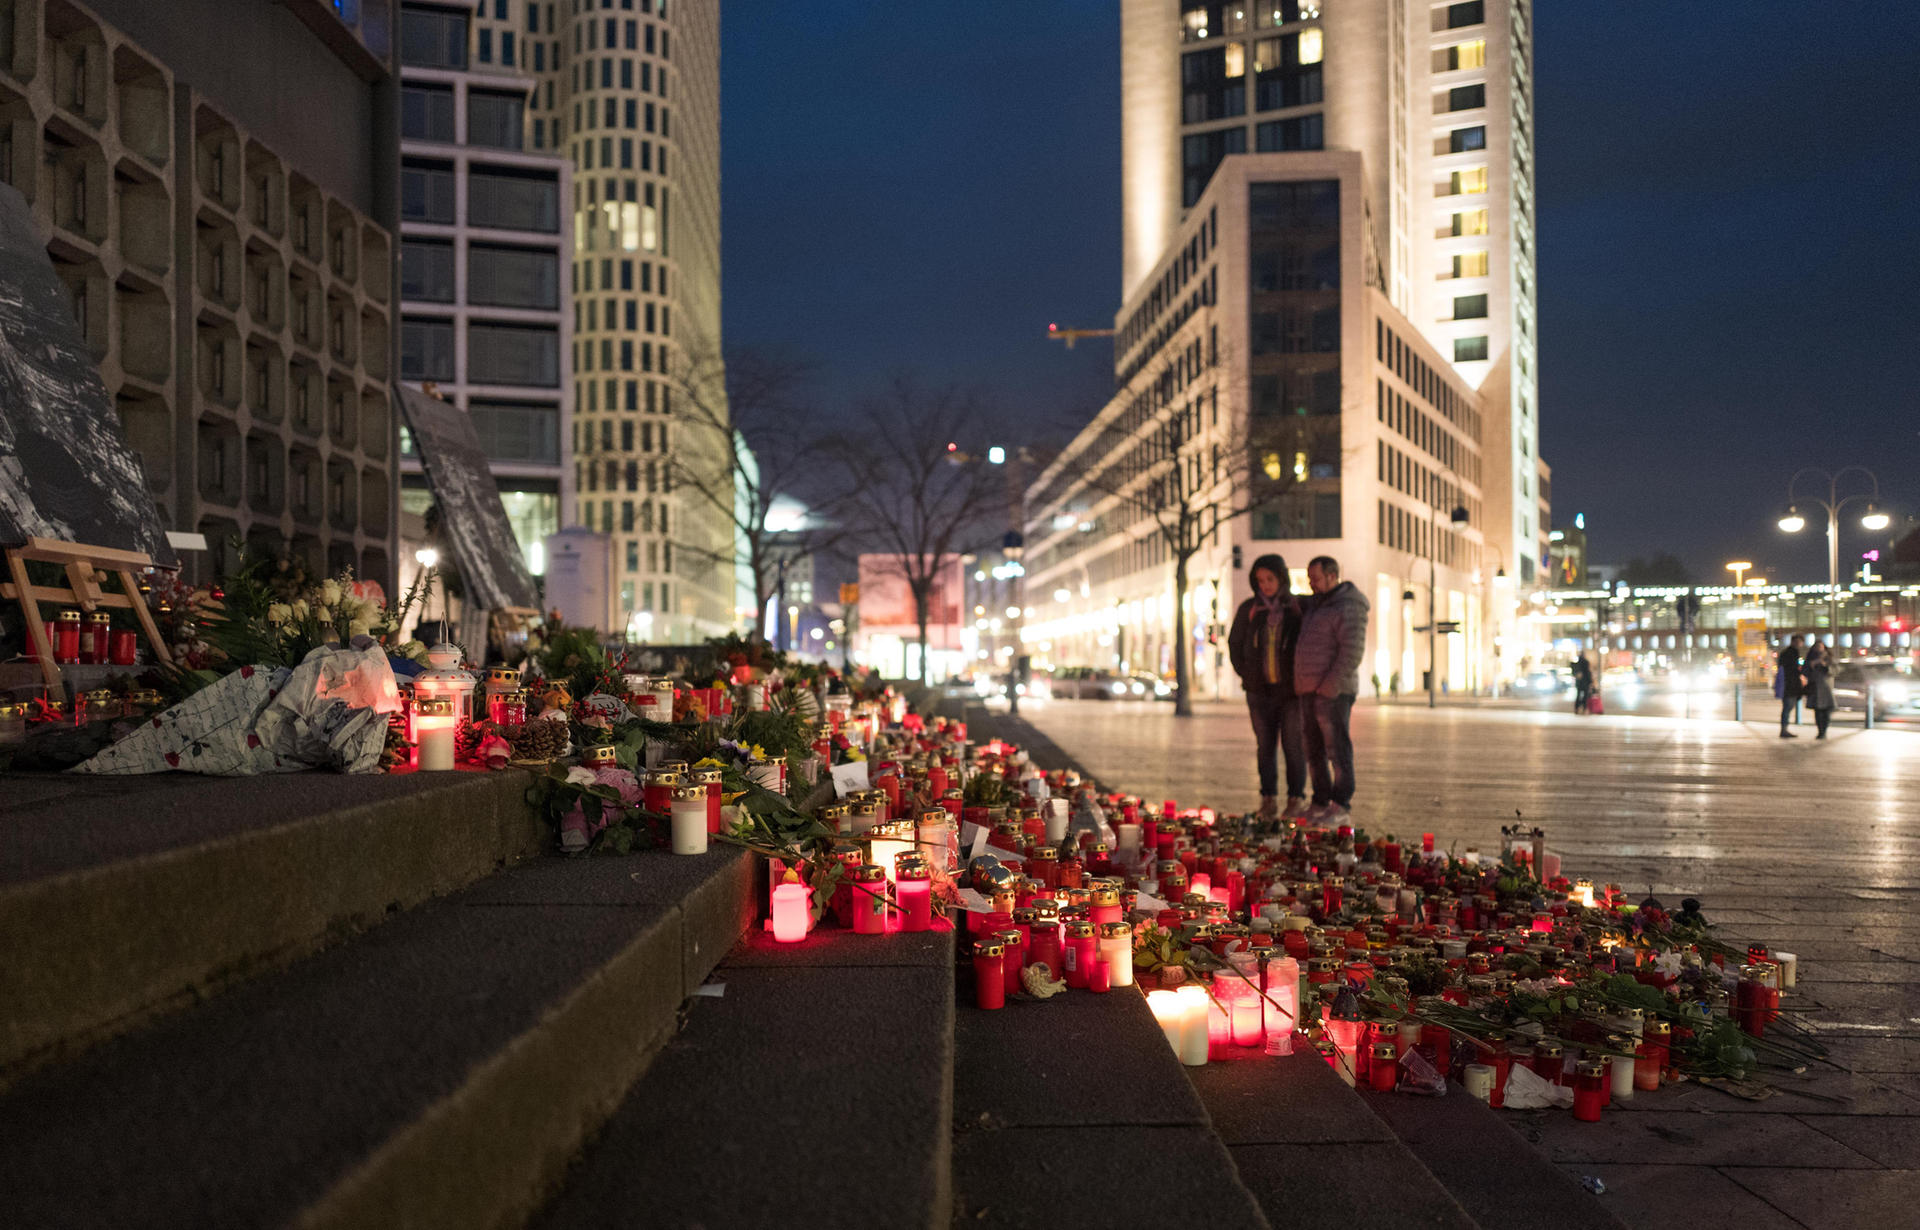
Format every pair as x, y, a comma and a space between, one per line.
230, 253
628, 93
1328, 243
485, 252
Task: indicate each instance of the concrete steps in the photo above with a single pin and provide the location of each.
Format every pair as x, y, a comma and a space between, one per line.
440, 1070
817, 1090
122, 898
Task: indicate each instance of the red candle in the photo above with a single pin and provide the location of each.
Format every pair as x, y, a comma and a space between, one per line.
657, 794
710, 778
123, 648
990, 976
1383, 1067
1589, 1090
913, 886
1013, 941
870, 900
1440, 1039
1080, 953
94, 645
1045, 949
66, 637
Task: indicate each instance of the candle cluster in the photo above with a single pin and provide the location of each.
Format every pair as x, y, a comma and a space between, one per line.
1402, 965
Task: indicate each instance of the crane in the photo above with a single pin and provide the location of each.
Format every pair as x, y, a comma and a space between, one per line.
1070, 336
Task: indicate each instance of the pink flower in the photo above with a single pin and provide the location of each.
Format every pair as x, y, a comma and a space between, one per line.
495, 751
623, 781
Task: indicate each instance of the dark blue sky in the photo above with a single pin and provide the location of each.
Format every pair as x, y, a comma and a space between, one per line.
1729, 237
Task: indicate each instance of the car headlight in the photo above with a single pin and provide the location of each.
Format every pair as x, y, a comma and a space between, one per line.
1119, 689
1521, 685
1892, 693
1161, 689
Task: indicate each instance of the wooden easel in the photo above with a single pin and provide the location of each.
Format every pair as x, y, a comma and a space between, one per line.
83, 565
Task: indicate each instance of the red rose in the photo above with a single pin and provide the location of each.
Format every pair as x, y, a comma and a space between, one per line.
253, 740
173, 758
246, 672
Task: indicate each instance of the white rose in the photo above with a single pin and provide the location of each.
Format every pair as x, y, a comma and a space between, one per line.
279, 613
323, 615
330, 593
300, 608
359, 627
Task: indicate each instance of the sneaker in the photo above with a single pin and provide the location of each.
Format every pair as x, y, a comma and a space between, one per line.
1269, 808
1788, 734
1296, 807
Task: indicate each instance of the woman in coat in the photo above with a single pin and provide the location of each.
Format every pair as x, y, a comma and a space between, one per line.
1260, 646
1818, 672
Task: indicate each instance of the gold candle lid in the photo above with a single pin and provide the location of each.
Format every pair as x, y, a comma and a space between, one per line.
604, 755
1081, 930
685, 794
433, 706
990, 950
1114, 930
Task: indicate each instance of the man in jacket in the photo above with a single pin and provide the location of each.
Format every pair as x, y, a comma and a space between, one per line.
1326, 677
1260, 646
1788, 684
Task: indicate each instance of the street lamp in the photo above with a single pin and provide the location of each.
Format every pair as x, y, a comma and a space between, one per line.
1873, 519
1458, 517
1739, 569
1013, 545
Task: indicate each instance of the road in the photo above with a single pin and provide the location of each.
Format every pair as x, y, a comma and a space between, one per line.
1811, 847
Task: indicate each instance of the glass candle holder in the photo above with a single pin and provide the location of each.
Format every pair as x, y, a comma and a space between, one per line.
1081, 943
1116, 949
913, 888
433, 727
689, 820
989, 976
1014, 941
869, 898
66, 637
1589, 1090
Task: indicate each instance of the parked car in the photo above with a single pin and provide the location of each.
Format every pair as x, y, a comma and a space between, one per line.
1893, 692
1083, 683
1543, 683
1147, 687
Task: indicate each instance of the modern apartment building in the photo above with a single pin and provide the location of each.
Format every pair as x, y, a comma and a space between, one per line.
231, 259
484, 259
1327, 241
626, 92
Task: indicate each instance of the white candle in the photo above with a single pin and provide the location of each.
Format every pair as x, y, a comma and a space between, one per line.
1129, 837
690, 820
790, 912
1478, 1079
1789, 968
1622, 1070
436, 743
1170, 1014
1194, 1002
1116, 949
1056, 821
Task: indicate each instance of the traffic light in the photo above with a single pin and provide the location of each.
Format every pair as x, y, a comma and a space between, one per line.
1237, 557
1893, 624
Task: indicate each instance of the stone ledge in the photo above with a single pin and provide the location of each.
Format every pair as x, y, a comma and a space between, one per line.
173, 889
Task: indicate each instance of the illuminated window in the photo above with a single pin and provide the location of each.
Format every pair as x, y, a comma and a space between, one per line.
1472, 54
1271, 465
1310, 46
1236, 62
1470, 265
1470, 181
1193, 25
1299, 467
1471, 222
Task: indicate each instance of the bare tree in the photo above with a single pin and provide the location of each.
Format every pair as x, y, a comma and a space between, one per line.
1187, 467
742, 461
919, 498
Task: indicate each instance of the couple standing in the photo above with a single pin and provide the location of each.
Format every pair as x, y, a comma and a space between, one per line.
1299, 659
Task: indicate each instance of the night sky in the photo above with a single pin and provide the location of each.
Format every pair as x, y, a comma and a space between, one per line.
1729, 238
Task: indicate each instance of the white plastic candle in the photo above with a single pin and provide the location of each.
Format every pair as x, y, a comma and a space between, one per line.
790, 912
1194, 1003
1129, 837
1478, 1079
690, 820
1622, 1070
1283, 990
1116, 949
433, 725
1171, 1016
1789, 968
1056, 821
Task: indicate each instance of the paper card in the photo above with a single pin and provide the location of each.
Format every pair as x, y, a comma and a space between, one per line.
978, 845
1038, 788
971, 836
1003, 855
712, 990
1146, 902
975, 903
849, 777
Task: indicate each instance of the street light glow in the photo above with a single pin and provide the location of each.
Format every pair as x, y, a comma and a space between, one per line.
1062, 594
1875, 519
996, 455
426, 557
1793, 522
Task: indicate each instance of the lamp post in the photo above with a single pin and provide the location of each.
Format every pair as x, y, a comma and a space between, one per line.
1873, 519
1739, 569
1013, 546
1458, 517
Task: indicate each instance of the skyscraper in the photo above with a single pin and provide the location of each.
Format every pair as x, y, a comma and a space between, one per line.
1437, 98
628, 92
484, 254
1327, 278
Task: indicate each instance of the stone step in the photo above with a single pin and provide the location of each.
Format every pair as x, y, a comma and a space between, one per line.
1314, 1153
817, 1089
125, 897
1478, 1156
439, 1070
1074, 1111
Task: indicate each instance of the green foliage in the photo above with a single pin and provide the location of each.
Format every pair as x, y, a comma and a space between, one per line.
778, 731
986, 790
571, 657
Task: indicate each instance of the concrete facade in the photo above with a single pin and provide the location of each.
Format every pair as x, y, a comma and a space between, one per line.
231, 266
486, 245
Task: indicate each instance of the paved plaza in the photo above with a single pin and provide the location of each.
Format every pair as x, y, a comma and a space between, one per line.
1807, 846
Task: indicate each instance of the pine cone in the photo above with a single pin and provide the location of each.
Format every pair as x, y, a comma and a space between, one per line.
536, 740
466, 740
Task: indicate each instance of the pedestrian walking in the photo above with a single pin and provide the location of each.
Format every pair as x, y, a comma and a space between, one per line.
1582, 672
1260, 646
1326, 677
1788, 684
1817, 670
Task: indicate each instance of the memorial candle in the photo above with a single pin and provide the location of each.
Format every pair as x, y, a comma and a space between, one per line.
1013, 940
709, 780
1194, 1003
1170, 1014
1589, 1090
790, 909
869, 896
1079, 953
913, 888
689, 820
433, 723
1116, 950
989, 976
